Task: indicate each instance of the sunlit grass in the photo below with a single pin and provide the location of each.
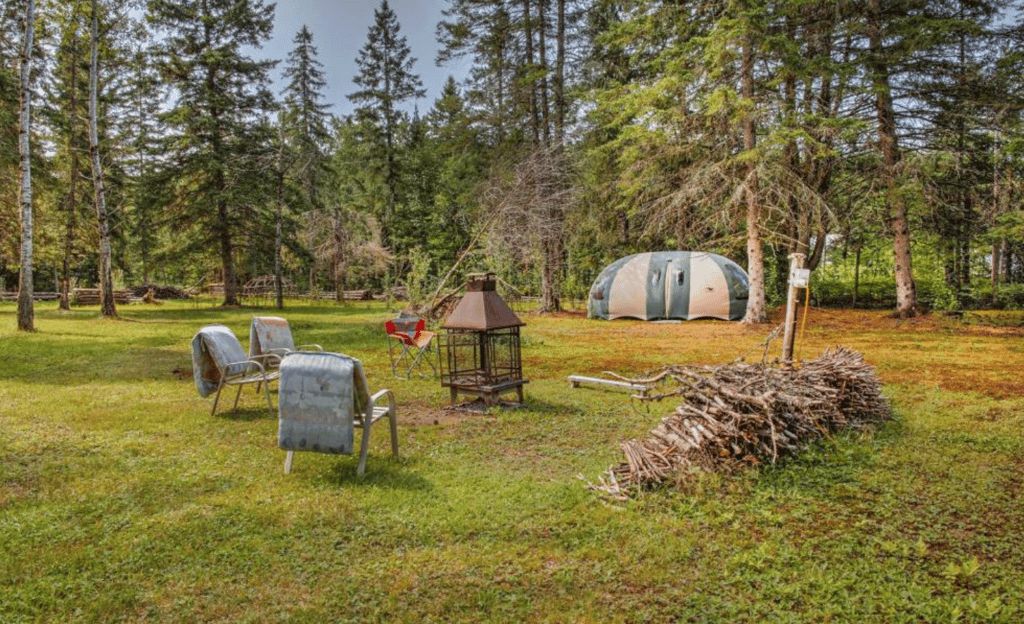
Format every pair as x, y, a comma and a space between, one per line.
122, 500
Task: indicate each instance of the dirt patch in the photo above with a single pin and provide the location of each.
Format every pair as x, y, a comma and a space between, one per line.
879, 320
420, 416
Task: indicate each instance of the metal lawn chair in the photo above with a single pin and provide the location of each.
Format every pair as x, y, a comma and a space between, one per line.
273, 335
218, 360
409, 344
322, 397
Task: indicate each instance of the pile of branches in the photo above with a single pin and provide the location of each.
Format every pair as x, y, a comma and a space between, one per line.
741, 415
159, 292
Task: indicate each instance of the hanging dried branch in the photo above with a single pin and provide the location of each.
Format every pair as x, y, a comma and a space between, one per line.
741, 415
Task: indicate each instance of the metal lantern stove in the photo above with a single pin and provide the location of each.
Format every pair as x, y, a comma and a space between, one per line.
480, 352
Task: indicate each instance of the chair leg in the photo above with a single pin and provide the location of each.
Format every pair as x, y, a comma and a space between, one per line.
415, 361
266, 391
237, 394
220, 386
428, 360
391, 354
288, 461
393, 420
364, 447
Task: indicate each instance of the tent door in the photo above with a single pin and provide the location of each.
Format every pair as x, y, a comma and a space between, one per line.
677, 289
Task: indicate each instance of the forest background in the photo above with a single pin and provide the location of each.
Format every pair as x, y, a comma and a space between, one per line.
882, 139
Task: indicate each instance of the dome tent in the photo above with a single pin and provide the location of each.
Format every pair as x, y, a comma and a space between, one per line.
670, 285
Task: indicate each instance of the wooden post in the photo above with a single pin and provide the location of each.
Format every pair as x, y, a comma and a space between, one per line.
796, 262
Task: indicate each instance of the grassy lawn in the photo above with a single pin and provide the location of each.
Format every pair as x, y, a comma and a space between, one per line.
123, 500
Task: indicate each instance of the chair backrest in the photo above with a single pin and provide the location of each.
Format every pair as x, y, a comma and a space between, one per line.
267, 333
319, 395
407, 328
214, 348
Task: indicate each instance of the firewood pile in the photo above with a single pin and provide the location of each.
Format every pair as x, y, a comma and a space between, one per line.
741, 415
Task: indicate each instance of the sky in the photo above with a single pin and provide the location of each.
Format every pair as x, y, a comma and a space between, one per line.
340, 30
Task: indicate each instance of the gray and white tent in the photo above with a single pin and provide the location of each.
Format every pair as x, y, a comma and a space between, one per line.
670, 285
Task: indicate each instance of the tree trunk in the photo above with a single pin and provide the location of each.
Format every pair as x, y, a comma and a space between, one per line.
531, 85
279, 226
757, 311
72, 203
107, 307
339, 256
543, 57
997, 205
227, 258
906, 288
560, 75
26, 310
818, 251
856, 277
552, 250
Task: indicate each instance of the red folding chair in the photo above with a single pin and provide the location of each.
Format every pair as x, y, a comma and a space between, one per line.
409, 344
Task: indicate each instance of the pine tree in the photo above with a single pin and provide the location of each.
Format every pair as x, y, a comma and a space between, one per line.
66, 93
107, 306
459, 156
306, 116
221, 91
144, 199
386, 80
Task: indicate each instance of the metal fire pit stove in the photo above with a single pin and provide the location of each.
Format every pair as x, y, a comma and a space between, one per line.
481, 353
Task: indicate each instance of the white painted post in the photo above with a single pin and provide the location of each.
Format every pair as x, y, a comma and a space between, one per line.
797, 279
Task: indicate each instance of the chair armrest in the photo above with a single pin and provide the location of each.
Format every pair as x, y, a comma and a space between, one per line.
243, 366
269, 359
379, 394
309, 347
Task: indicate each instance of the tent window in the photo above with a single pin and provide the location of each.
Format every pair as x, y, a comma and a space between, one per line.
739, 286
681, 278
656, 278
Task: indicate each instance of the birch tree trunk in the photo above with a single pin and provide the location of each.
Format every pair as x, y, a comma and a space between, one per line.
756, 307
26, 311
107, 307
279, 226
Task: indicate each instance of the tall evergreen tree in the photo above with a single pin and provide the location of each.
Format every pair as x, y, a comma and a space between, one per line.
220, 93
459, 158
306, 117
145, 98
385, 81
107, 306
304, 139
66, 92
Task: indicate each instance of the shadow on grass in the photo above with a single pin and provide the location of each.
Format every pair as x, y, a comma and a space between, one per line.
244, 413
380, 472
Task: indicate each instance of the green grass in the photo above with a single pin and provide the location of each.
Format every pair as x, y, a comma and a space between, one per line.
122, 500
